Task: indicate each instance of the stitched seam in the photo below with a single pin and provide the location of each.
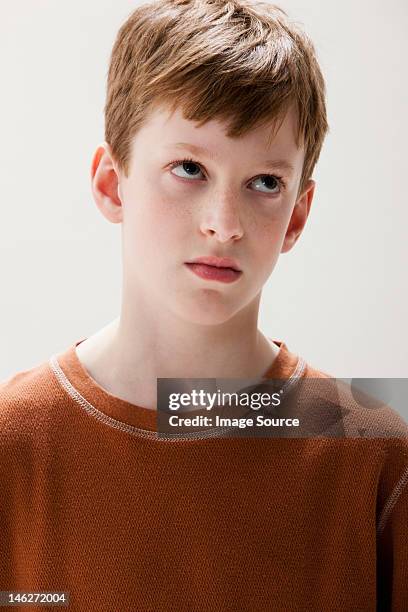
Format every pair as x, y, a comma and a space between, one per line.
145, 433
298, 372
108, 420
392, 500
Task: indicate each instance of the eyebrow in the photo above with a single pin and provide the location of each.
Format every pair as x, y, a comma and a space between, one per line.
267, 163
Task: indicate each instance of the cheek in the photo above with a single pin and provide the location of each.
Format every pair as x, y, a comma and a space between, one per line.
153, 226
264, 246
168, 210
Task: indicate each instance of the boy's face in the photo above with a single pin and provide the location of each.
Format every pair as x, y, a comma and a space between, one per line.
227, 202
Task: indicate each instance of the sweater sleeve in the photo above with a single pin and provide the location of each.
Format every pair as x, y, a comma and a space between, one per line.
392, 532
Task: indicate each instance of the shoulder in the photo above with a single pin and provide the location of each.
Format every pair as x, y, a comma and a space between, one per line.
349, 408
26, 398
352, 410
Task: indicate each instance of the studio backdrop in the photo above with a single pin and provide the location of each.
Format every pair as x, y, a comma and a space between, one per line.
339, 297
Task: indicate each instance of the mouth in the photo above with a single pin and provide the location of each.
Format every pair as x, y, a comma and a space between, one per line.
223, 274
212, 261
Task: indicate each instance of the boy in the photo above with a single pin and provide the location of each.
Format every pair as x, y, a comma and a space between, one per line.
215, 118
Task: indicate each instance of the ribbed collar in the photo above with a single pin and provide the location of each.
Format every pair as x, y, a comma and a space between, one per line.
77, 382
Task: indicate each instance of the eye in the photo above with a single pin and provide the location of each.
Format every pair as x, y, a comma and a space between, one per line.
274, 184
188, 167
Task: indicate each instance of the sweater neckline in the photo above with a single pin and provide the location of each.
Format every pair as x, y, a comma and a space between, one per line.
85, 391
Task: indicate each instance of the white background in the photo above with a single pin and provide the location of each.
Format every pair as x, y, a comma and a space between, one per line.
339, 298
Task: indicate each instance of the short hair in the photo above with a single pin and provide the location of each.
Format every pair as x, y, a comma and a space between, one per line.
239, 61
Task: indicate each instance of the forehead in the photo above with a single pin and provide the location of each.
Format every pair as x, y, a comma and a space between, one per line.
170, 129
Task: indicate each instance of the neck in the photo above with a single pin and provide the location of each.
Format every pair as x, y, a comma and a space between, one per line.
128, 355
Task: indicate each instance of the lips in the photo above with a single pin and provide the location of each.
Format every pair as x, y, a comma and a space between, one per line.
214, 273
217, 262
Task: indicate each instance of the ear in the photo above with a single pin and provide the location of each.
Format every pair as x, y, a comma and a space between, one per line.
299, 216
105, 184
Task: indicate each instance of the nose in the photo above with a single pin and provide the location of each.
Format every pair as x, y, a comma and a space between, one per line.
221, 217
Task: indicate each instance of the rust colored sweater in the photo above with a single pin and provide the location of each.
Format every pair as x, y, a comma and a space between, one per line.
95, 504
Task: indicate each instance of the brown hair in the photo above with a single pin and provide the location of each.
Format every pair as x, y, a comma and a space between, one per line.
240, 61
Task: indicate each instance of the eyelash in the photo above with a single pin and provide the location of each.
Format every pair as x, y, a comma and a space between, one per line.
279, 179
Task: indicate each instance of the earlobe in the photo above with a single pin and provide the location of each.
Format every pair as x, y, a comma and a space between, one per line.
299, 216
105, 184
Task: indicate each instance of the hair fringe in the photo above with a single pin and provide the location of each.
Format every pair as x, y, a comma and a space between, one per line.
243, 62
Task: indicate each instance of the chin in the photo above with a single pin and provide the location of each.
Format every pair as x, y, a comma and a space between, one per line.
209, 308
